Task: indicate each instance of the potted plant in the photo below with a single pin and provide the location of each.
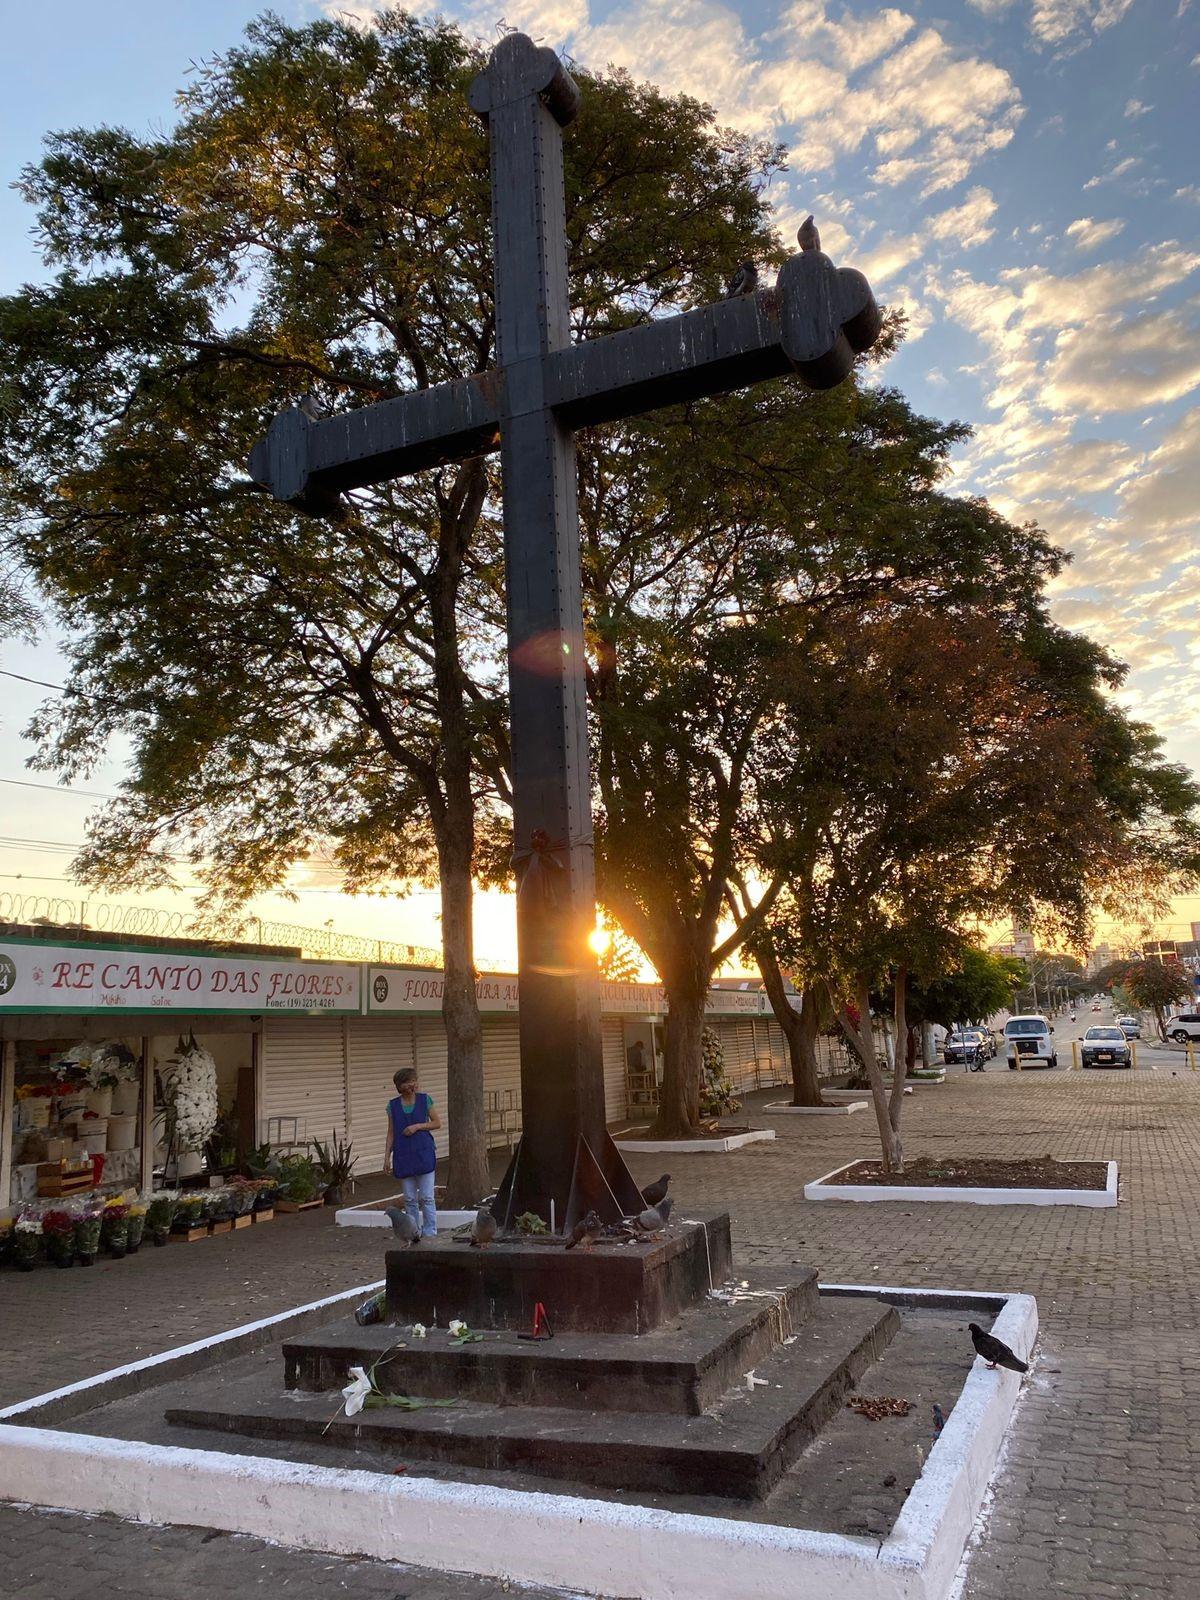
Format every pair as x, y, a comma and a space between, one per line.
27, 1242
58, 1232
220, 1148
242, 1193
299, 1184
87, 1232
160, 1214
135, 1225
189, 1213
266, 1194
335, 1163
114, 1229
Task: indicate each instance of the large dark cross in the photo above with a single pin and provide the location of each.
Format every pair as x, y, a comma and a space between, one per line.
812, 322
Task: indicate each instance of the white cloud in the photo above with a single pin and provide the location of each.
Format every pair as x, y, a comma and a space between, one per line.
1083, 466
888, 258
1137, 108
1121, 169
966, 225
1085, 234
1058, 22
1115, 365
1166, 496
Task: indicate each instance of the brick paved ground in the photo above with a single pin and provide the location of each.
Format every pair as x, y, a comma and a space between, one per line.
1099, 1495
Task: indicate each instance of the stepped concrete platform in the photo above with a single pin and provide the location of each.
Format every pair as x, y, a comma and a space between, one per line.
738, 1447
625, 1288
682, 1368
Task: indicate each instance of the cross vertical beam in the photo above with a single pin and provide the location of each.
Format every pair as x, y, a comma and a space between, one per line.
527, 97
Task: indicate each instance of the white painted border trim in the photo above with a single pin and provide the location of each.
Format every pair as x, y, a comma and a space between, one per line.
844, 1110
366, 1216
843, 1095
454, 1527
694, 1147
826, 1188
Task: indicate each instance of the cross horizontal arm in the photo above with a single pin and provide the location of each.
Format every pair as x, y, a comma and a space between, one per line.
813, 323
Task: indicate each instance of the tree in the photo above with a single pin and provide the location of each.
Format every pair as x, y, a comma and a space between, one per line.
1155, 985
317, 222
973, 990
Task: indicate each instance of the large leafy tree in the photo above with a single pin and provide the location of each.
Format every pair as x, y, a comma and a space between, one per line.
1155, 985
316, 223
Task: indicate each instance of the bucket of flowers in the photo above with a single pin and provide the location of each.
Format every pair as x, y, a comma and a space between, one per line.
135, 1224
27, 1242
189, 1217
242, 1194
160, 1214
218, 1208
114, 1231
87, 1232
266, 1192
58, 1232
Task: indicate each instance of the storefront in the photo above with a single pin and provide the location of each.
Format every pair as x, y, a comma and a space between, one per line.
302, 1050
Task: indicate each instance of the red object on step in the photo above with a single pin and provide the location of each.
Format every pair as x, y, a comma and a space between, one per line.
97, 1169
541, 1325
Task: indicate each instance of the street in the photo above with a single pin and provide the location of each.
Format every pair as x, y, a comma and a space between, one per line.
1149, 1053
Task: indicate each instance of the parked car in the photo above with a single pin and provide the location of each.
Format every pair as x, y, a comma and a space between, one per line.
1105, 1047
967, 1046
1184, 1027
1131, 1027
1030, 1042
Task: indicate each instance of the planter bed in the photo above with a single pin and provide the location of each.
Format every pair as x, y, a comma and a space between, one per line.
979, 1181
371, 1215
839, 1109
715, 1144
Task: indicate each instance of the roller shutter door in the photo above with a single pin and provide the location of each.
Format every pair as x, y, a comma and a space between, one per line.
502, 1079
612, 1038
304, 1074
739, 1053
430, 1041
378, 1047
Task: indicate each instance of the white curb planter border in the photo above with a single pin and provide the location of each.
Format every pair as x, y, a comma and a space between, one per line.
370, 1215
845, 1109
841, 1096
566, 1541
694, 1147
828, 1188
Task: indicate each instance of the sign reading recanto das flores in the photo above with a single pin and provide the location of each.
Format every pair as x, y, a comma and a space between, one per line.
93, 977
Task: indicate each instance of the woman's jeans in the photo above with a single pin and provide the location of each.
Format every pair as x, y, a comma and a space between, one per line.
418, 1191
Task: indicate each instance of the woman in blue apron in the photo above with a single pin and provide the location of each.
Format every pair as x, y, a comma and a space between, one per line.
410, 1149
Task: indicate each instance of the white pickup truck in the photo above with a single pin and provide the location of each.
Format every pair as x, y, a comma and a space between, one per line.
1030, 1043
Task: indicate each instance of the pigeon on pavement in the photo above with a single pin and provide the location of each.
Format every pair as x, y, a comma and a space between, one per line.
586, 1231
403, 1227
994, 1351
744, 281
655, 1192
483, 1230
807, 236
654, 1219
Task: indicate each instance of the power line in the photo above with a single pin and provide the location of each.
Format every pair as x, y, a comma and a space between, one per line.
59, 788
38, 683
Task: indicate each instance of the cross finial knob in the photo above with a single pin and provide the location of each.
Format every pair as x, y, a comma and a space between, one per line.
518, 68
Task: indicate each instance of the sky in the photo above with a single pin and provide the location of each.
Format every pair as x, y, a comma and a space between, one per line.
1019, 175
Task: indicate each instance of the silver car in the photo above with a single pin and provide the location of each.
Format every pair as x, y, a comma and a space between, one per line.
1105, 1047
1131, 1027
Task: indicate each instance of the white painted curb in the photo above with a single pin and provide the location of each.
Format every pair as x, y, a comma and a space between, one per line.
844, 1110
694, 1147
367, 1216
565, 1541
827, 1188
843, 1095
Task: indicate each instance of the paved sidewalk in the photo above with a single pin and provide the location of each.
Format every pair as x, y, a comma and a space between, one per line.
1098, 1498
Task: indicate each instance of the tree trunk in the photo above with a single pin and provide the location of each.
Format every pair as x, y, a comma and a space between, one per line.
468, 1179
863, 1040
799, 1028
901, 1054
928, 1048
679, 1097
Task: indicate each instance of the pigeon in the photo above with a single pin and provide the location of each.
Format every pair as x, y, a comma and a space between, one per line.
483, 1230
311, 407
654, 1219
403, 1226
939, 1419
744, 281
994, 1351
587, 1231
807, 236
655, 1192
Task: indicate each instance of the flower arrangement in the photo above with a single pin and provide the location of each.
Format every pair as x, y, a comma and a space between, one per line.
27, 1241
135, 1224
298, 1180
243, 1192
189, 1212
190, 1091
114, 1229
58, 1231
266, 1193
716, 1091
363, 1391
101, 1066
88, 1220
160, 1214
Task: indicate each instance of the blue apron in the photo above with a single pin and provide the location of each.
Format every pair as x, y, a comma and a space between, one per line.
416, 1154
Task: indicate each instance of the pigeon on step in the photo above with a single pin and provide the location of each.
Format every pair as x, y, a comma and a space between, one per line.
656, 1192
654, 1219
994, 1351
483, 1230
586, 1231
404, 1229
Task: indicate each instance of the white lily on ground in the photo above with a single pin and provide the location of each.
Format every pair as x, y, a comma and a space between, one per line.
356, 1391
458, 1326
418, 1330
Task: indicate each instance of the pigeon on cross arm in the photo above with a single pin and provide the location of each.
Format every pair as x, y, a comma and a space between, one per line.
994, 1351
807, 236
744, 281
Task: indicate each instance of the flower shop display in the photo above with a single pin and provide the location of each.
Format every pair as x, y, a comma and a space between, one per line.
87, 1232
27, 1242
335, 1164
122, 1132
190, 1093
190, 1220
160, 1214
58, 1232
266, 1194
299, 1182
